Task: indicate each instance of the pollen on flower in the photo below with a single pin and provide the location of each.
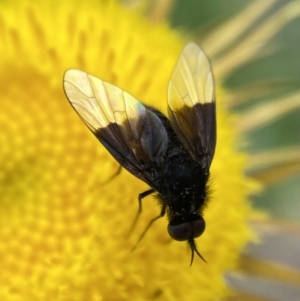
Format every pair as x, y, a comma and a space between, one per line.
63, 232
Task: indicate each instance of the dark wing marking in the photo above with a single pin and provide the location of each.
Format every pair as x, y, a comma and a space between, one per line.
191, 104
133, 135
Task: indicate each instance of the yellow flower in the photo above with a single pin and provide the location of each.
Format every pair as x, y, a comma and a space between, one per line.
63, 231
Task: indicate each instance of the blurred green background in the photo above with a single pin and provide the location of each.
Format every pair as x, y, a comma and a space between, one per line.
280, 198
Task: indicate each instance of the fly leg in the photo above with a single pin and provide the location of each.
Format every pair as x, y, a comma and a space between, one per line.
113, 176
162, 213
141, 196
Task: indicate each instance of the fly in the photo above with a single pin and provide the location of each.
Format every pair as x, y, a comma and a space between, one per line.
172, 155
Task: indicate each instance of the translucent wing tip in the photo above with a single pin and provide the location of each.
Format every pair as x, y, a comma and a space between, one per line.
77, 80
192, 49
74, 77
191, 46
72, 74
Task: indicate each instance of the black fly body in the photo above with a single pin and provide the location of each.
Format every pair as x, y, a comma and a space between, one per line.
172, 156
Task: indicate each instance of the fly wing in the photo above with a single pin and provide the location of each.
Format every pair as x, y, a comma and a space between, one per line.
133, 135
191, 104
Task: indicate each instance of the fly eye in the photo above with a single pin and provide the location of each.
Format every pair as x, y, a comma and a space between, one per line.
186, 230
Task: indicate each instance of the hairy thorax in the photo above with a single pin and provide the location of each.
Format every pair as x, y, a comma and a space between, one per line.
183, 185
